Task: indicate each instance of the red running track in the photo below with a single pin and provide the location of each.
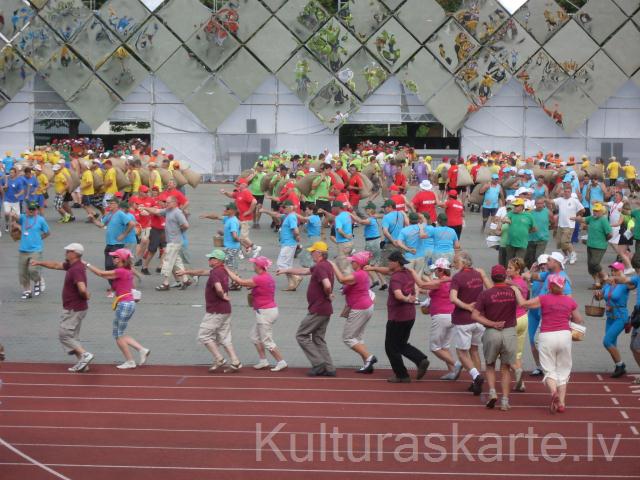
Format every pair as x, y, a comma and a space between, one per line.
183, 423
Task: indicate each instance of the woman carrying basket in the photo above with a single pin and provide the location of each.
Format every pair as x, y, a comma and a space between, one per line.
554, 342
124, 305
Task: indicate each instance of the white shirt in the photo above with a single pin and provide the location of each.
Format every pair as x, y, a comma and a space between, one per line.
567, 208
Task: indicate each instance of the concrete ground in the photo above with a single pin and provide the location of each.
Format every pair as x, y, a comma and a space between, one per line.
167, 322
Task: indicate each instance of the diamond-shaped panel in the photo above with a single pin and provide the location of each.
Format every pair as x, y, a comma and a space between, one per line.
412, 75
95, 42
540, 76
600, 19
153, 43
66, 73
393, 45
38, 3
16, 15
451, 106
273, 4
333, 104
273, 44
636, 19
37, 42
183, 17
481, 19
569, 107
636, 78
541, 18
623, 48
243, 74
14, 71
512, 5
363, 17
482, 76
212, 104
628, 6
512, 45
123, 17
393, 4
452, 45
571, 47
421, 17
183, 74
66, 17
303, 17
212, 43
249, 16
304, 75
600, 78
93, 103
363, 74
333, 45
122, 72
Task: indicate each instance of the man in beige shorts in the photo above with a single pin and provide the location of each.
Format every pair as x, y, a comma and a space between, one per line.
568, 206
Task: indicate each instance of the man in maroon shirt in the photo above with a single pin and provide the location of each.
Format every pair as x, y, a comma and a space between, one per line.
75, 298
495, 308
312, 329
215, 328
466, 285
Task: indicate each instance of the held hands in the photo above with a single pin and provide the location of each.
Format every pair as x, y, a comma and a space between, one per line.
411, 298
498, 325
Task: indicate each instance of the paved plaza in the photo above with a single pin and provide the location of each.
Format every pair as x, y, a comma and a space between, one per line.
167, 322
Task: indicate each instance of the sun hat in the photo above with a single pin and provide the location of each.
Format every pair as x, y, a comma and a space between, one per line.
121, 253
441, 263
262, 262
510, 198
56, 167
318, 247
557, 279
361, 258
558, 257
542, 259
75, 247
597, 207
217, 254
425, 185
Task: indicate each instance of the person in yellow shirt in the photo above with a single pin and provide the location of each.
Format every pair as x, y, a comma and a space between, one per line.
110, 184
630, 176
134, 177
613, 170
60, 184
87, 190
98, 181
155, 181
586, 163
43, 185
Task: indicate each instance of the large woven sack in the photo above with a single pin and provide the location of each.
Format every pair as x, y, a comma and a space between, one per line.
476, 197
316, 165
122, 179
367, 187
336, 182
595, 171
119, 164
547, 174
464, 177
193, 178
246, 173
165, 175
369, 171
74, 182
556, 191
483, 175
265, 183
144, 176
98, 181
178, 176
304, 184
509, 183
48, 171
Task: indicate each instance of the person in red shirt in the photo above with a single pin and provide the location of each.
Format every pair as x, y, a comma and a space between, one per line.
342, 173
454, 210
398, 198
290, 193
143, 219
354, 187
399, 178
452, 175
157, 238
475, 168
425, 201
172, 191
246, 204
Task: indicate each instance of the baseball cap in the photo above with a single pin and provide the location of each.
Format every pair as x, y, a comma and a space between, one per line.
442, 218
542, 259
495, 176
361, 258
413, 217
231, 206
217, 254
318, 247
337, 204
370, 206
75, 247
56, 167
518, 201
389, 203
121, 253
498, 271
441, 263
242, 181
557, 279
617, 266
394, 188
32, 206
397, 256
453, 193
287, 203
123, 204
262, 262
597, 207
558, 257
143, 188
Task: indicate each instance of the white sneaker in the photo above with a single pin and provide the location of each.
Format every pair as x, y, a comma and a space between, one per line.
263, 363
127, 365
573, 257
43, 285
144, 354
255, 251
281, 365
241, 254
629, 271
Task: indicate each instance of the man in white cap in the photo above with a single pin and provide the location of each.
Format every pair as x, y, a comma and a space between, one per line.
75, 296
425, 201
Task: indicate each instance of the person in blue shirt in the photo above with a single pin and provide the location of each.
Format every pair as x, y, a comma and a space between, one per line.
412, 241
13, 189
393, 222
343, 224
313, 227
372, 238
493, 198
230, 237
635, 333
534, 315
8, 161
616, 296
289, 239
595, 193
445, 240
30, 185
34, 229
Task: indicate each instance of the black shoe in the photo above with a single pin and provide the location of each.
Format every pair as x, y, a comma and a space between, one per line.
422, 368
477, 385
145, 271
317, 371
470, 387
383, 287
158, 270
619, 371
72, 218
328, 373
375, 284
368, 365
395, 379
138, 263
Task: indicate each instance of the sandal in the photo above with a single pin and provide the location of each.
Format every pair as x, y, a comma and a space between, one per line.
162, 288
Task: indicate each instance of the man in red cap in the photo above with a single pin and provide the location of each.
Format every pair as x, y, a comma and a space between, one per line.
246, 203
495, 308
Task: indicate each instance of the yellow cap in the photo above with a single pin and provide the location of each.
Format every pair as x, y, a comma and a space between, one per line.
598, 207
318, 247
517, 202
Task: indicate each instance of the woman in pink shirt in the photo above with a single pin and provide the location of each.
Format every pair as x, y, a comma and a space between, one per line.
360, 302
554, 342
263, 291
123, 304
515, 267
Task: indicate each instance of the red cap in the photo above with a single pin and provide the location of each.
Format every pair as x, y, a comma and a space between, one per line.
118, 195
155, 188
170, 156
498, 271
143, 188
453, 193
242, 181
394, 188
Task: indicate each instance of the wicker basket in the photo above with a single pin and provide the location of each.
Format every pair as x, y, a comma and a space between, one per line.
577, 331
594, 310
218, 241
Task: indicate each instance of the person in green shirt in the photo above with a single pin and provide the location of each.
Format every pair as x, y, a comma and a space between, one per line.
599, 233
538, 239
320, 188
521, 225
255, 187
635, 218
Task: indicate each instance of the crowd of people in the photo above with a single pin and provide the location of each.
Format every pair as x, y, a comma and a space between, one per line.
412, 249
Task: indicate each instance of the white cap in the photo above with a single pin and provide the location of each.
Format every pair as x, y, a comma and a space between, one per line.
425, 185
542, 259
89, 152
38, 168
312, 170
521, 172
520, 191
441, 263
75, 247
97, 162
56, 167
558, 257
511, 198
627, 162
123, 157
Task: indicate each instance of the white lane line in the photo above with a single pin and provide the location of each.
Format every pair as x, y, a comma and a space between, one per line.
599, 377
634, 430
312, 417
615, 401
607, 389
33, 461
278, 402
399, 473
624, 414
